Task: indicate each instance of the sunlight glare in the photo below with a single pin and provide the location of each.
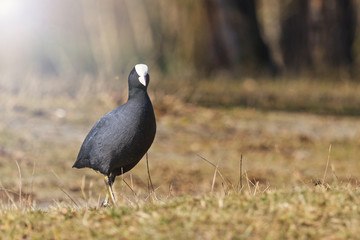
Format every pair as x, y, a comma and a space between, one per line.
9, 9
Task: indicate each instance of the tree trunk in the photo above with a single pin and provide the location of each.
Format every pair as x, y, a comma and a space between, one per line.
235, 37
318, 35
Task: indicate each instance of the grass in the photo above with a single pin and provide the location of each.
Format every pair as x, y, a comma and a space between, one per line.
320, 96
294, 185
296, 213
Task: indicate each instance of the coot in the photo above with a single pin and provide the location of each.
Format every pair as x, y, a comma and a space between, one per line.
121, 137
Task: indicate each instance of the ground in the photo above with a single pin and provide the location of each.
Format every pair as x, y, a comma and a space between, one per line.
295, 167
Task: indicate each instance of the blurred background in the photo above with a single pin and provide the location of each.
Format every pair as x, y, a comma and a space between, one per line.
101, 40
220, 72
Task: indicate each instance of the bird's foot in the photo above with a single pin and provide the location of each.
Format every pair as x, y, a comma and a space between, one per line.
105, 203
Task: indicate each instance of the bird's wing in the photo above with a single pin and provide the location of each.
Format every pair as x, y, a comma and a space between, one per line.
96, 149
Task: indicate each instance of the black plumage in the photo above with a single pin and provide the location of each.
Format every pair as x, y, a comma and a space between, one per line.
119, 140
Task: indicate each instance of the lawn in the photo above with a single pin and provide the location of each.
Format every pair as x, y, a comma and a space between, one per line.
293, 144
294, 213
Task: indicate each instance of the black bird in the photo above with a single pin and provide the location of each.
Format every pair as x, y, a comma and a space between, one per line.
119, 140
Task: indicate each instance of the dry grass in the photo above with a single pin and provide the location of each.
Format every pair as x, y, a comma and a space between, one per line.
294, 213
293, 185
324, 96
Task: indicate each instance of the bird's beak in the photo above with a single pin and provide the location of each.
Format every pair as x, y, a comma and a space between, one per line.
142, 80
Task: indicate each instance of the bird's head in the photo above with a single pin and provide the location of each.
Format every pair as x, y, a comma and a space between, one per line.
139, 76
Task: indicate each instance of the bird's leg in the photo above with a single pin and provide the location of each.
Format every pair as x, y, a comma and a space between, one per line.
109, 180
105, 203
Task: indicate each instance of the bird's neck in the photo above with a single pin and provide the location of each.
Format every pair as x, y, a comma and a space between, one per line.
137, 93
